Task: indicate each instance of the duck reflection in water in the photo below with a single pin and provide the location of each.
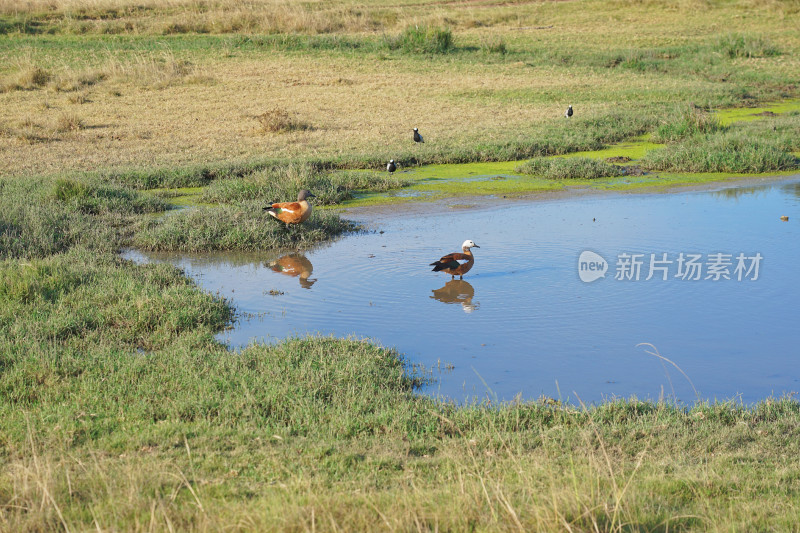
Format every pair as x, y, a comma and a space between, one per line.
457, 291
296, 265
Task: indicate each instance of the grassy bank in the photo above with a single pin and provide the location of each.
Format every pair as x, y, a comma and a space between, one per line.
120, 411
749, 147
324, 434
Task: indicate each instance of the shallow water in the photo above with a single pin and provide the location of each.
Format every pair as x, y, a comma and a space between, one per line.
522, 322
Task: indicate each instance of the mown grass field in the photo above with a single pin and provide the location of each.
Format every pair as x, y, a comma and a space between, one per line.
119, 411
83, 91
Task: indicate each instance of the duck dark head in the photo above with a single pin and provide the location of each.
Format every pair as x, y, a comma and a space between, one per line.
304, 194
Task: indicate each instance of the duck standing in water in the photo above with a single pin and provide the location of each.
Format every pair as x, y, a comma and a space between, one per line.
457, 264
391, 167
292, 212
417, 137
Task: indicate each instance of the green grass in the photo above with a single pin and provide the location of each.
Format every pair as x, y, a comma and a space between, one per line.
742, 45
328, 434
45, 217
281, 183
729, 154
750, 147
690, 122
422, 40
245, 228
571, 168
120, 411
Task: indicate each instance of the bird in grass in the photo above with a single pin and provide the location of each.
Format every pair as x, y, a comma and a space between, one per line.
292, 212
391, 167
568, 112
457, 264
417, 137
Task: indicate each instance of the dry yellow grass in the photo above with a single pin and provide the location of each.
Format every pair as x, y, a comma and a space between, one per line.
161, 107
354, 108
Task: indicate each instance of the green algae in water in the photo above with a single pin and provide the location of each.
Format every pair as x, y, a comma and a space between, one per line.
674, 179
727, 117
180, 196
633, 150
434, 182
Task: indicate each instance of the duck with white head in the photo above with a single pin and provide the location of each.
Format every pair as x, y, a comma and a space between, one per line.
457, 264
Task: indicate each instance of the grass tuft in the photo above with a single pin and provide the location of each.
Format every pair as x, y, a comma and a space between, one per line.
69, 122
689, 122
29, 78
281, 183
738, 45
244, 228
46, 217
422, 40
280, 121
560, 168
733, 151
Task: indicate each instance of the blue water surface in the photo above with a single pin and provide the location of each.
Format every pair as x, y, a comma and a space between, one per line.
523, 323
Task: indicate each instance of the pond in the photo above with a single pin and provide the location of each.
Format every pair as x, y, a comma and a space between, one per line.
527, 321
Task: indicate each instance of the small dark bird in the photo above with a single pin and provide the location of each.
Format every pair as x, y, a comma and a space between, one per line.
417, 137
457, 264
391, 167
292, 212
568, 113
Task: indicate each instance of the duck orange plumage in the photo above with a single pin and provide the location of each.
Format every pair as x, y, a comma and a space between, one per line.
457, 264
297, 265
292, 212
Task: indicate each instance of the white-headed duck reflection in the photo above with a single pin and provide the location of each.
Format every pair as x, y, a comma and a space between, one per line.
457, 291
296, 265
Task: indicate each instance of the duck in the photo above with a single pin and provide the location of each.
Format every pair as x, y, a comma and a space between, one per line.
457, 291
568, 112
457, 264
417, 137
296, 265
292, 212
391, 167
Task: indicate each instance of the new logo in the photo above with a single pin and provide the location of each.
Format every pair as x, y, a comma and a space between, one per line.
591, 266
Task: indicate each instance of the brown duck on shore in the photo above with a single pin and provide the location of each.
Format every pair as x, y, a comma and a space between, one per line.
457, 264
292, 212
